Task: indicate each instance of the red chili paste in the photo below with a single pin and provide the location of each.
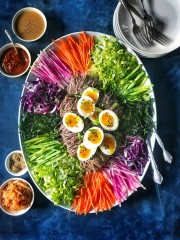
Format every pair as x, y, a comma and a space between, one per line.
14, 63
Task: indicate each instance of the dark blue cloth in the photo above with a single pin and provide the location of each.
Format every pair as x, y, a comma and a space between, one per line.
145, 215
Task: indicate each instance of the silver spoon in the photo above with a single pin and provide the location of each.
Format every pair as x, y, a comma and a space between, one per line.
158, 178
167, 156
9, 36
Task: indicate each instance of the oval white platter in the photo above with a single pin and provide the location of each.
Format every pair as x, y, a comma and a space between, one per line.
31, 77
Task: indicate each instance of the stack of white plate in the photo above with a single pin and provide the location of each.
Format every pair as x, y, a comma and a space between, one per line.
166, 14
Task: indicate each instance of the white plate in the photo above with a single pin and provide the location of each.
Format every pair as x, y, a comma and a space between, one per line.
120, 36
32, 77
168, 14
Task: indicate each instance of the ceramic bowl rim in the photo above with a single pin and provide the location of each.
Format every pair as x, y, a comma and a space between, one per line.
22, 172
16, 213
17, 15
6, 47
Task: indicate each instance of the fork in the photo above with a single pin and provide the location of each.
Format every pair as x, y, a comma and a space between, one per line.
157, 36
160, 38
149, 24
137, 31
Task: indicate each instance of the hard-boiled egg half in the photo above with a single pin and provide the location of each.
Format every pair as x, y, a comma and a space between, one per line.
95, 117
93, 93
93, 137
73, 122
108, 120
84, 153
108, 145
86, 106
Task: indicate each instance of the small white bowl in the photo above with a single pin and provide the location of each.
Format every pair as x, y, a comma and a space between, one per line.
7, 164
30, 23
2, 51
7, 210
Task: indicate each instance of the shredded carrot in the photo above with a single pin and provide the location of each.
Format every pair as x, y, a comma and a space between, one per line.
16, 195
75, 52
97, 195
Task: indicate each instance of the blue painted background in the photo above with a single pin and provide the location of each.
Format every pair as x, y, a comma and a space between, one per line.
144, 216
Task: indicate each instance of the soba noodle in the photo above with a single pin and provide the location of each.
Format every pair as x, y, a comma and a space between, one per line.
69, 104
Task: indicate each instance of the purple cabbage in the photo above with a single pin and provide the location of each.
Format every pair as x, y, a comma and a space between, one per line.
134, 154
41, 97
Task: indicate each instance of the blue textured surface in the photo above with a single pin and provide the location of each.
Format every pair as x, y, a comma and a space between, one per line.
143, 216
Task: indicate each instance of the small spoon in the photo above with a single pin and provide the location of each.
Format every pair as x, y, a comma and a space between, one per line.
9, 36
167, 156
158, 178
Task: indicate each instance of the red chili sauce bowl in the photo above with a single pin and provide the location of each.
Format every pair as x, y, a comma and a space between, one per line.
14, 63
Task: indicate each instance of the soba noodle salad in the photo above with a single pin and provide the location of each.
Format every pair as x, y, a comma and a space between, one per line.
85, 118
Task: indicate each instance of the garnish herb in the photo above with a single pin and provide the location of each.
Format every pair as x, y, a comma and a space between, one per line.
137, 120
32, 125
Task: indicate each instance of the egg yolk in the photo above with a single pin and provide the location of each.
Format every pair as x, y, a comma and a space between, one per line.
92, 94
94, 136
107, 119
95, 116
84, 152
109, 143
71, 120
87, 106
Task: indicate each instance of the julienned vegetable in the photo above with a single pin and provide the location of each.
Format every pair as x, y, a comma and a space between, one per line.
96, 194
75, 52
119, 71
123, 180
133, 155
41, 97
55, 172
51, 69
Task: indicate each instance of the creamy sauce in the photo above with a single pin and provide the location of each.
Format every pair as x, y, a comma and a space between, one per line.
30, 25
14, 63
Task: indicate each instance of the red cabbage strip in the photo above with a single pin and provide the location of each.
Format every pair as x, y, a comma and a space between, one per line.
123, 180
134, 154
51, 69
41, 97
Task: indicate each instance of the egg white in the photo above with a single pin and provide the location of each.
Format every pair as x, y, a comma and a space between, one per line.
105, 147
80, 106
113, 116
88, 143
79, 126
